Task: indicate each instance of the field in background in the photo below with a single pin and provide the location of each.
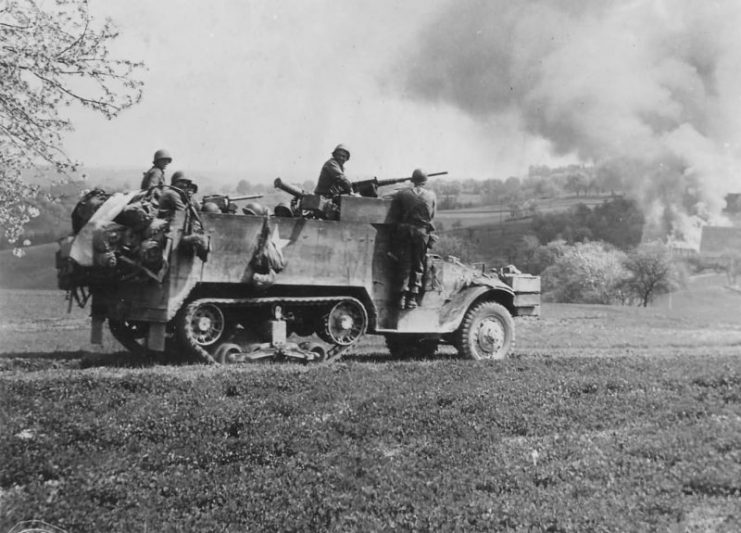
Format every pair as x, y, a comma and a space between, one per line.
496, 215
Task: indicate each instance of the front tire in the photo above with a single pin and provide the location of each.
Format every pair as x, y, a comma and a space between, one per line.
486, 332
131, 335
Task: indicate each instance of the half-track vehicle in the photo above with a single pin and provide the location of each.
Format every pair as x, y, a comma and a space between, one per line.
299, 286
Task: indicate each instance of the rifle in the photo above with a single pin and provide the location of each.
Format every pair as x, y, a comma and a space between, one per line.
225, 202
369, 188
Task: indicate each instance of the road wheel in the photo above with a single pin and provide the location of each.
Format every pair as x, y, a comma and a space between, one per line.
132, 335
227, 353
320, 354
402, 345
200, 326
487, 332
345, 323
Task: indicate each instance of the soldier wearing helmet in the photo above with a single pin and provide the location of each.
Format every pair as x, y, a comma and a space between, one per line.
155, 176
177, 195
332, 180
413, 210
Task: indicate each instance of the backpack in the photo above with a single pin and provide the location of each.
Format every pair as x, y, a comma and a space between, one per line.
86, 207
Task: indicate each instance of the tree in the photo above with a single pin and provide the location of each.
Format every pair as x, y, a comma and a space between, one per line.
546, 255
591, 272
52, 56
244, 187
577, 183
619, 222
455, 245
651, 273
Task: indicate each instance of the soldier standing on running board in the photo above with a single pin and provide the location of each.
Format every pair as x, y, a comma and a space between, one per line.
413, 209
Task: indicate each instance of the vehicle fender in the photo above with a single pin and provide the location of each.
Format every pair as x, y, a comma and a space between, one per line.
453, 311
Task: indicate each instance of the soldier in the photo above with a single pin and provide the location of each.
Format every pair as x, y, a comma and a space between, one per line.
176, 196
332, 180
155, 176
413, 209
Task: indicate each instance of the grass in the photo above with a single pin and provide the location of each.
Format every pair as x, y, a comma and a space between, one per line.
605, 419
615, 444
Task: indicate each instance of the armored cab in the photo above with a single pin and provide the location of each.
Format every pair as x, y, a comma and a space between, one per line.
260, 283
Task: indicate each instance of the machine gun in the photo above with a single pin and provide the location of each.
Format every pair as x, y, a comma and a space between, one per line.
369, 188
290, 189
308, 205
225, 203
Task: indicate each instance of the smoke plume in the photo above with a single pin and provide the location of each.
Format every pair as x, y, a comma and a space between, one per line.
647, 90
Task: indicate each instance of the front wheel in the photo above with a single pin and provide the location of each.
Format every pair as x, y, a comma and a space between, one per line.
486, 332
132, 335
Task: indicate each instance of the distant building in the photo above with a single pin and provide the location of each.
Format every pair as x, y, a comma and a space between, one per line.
733, 202
682, 249
718, 241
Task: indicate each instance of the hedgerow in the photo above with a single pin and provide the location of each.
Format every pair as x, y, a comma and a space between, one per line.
619, 444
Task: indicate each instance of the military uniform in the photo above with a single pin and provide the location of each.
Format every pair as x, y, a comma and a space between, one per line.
154, 177
413, 209
332, 180
172, 199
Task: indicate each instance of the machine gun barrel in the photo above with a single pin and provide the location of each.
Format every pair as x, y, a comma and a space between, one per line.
244, 197
290, 189
224, 198
370, 187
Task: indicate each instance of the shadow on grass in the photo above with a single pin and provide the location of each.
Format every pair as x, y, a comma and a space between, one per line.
72, 360
116, 360
43, 356
385, 357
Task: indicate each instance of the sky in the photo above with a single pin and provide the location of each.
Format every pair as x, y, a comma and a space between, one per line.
262, 89
647, 91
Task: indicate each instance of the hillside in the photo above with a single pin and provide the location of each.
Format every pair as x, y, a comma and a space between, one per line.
35, 270
496, 214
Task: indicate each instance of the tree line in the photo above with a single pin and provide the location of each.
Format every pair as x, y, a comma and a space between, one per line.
584, 255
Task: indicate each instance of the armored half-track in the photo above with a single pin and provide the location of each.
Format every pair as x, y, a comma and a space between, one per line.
298, 287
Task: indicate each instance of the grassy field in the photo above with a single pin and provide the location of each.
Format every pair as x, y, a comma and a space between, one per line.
604, 419
496, 215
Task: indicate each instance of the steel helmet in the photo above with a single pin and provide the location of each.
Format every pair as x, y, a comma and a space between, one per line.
419, 176
185, 184
283, 209
162, 154
177, 175
341, 148
210, 207
254, 208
